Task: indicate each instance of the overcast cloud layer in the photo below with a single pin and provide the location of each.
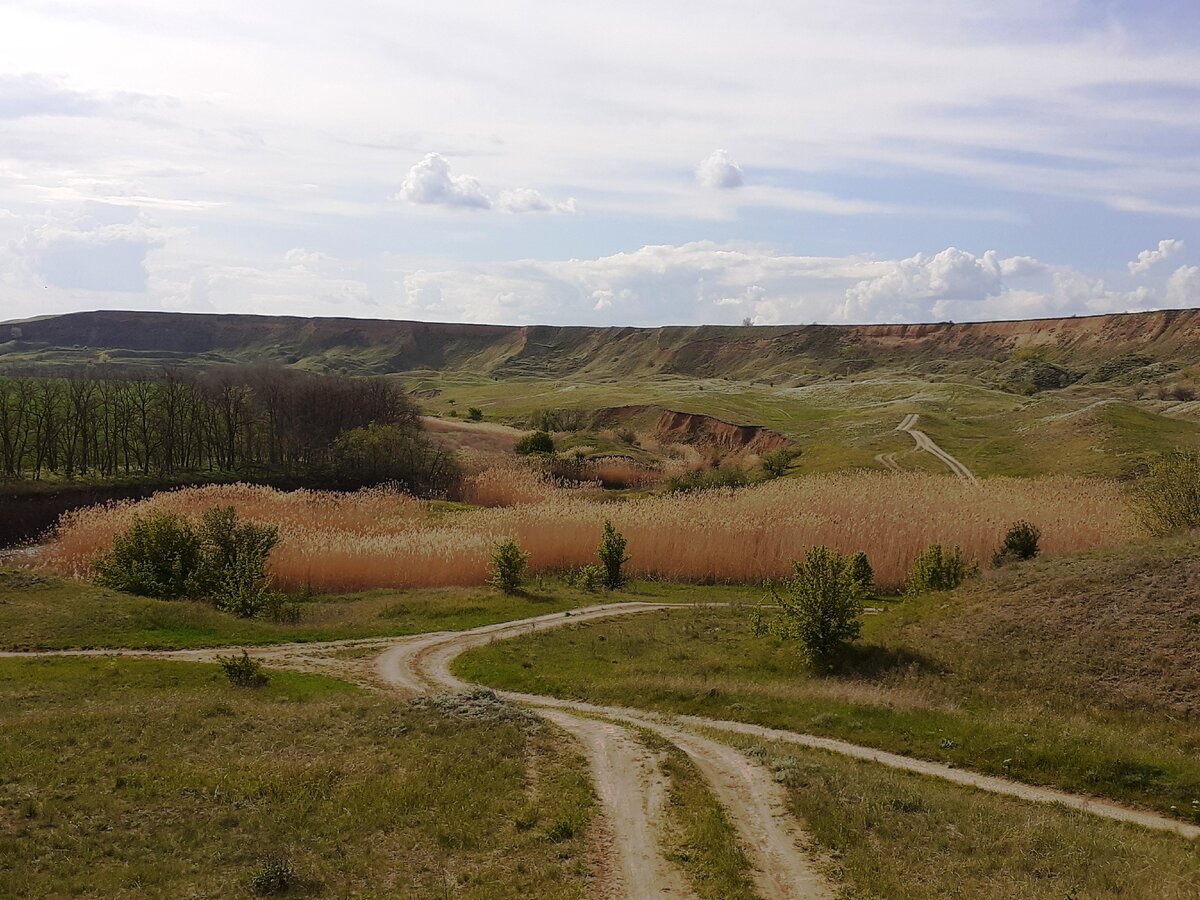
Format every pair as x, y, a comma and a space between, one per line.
621, 164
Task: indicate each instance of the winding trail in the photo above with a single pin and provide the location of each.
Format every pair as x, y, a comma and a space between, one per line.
629, 780
925, 442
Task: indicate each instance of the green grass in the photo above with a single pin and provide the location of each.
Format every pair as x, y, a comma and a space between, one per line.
905, 837
1034, 674
704, 844
123, 778
44, 612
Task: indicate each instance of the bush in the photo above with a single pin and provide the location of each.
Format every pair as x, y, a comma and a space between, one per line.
223, 562
718, 477
508, 567
274, 875
938, 570
242, 671
475, 414
1020, 542
535, 442
612, 556
391, 454
861, 571
158, 556
588, 578
234, 573
820, 605
776, 463
1167, 497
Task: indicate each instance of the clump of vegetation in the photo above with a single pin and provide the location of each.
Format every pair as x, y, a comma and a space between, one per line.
938, 570
715, 478
390, 454
275, 875
776, 463
820, 605
556, 420
861, 570
1167, 497
509, 563
588, 578
1036, 376
612, 556
164, 556
1021, 541
535, 442
159, 555
243, 671
475, 414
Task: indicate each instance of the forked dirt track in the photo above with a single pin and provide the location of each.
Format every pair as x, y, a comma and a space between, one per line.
925, 442
628, 777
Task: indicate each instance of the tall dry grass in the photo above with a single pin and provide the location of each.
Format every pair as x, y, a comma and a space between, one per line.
337, 542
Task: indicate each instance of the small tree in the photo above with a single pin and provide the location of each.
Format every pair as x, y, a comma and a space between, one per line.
938, 570
861, 571
157, 556
535, 442
776, 463
1167, 497
820, 604
1020, 542
234, 575
612, 556
508, 566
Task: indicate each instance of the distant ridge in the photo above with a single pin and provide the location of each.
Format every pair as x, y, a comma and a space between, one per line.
741, 352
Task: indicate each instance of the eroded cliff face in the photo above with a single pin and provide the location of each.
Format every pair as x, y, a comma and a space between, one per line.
668, 426
743, 353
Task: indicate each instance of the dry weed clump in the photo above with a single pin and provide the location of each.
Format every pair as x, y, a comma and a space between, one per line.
508, 484
335, 542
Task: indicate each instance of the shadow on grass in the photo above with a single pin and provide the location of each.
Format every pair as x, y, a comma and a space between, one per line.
877, 661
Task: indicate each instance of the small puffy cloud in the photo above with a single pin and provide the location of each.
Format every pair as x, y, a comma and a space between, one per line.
911, 283
1183, 287
719, 171
1147, 259
527, 200
431, 182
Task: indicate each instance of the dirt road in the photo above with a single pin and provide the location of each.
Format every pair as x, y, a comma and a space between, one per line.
629, 780
925, 442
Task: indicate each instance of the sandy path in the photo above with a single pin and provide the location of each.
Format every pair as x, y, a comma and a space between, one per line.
888, 461
925, 442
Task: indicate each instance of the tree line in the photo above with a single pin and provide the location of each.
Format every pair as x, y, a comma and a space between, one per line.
246, 422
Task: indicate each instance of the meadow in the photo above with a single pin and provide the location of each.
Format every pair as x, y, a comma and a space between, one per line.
334, 542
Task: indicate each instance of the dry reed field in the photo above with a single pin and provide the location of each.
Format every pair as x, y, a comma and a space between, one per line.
370, 539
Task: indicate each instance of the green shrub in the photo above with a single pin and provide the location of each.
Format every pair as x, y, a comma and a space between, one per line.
1167, 497
1020, 542
860, 570
938, 570
820, 605
157, 556
776, 463
234, 574
475, 414
242, 671
274, 875
534, 442
731, 477
612, 556
223, 561
508, 567
588, 578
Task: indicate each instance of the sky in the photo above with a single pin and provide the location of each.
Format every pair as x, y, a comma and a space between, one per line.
601, 164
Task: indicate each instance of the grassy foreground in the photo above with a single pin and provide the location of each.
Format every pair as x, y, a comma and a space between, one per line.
1044, 672
39, 612
136, 778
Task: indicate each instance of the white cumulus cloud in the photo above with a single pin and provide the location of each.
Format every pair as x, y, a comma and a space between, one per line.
718, 170
527, 200
431, 182
1147, 259
1183, 287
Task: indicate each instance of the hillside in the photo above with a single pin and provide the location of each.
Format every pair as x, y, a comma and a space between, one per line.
1169, 338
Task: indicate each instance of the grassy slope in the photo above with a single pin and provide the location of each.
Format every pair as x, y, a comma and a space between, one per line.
136, 778
846, 422
1046, 672
42, 612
